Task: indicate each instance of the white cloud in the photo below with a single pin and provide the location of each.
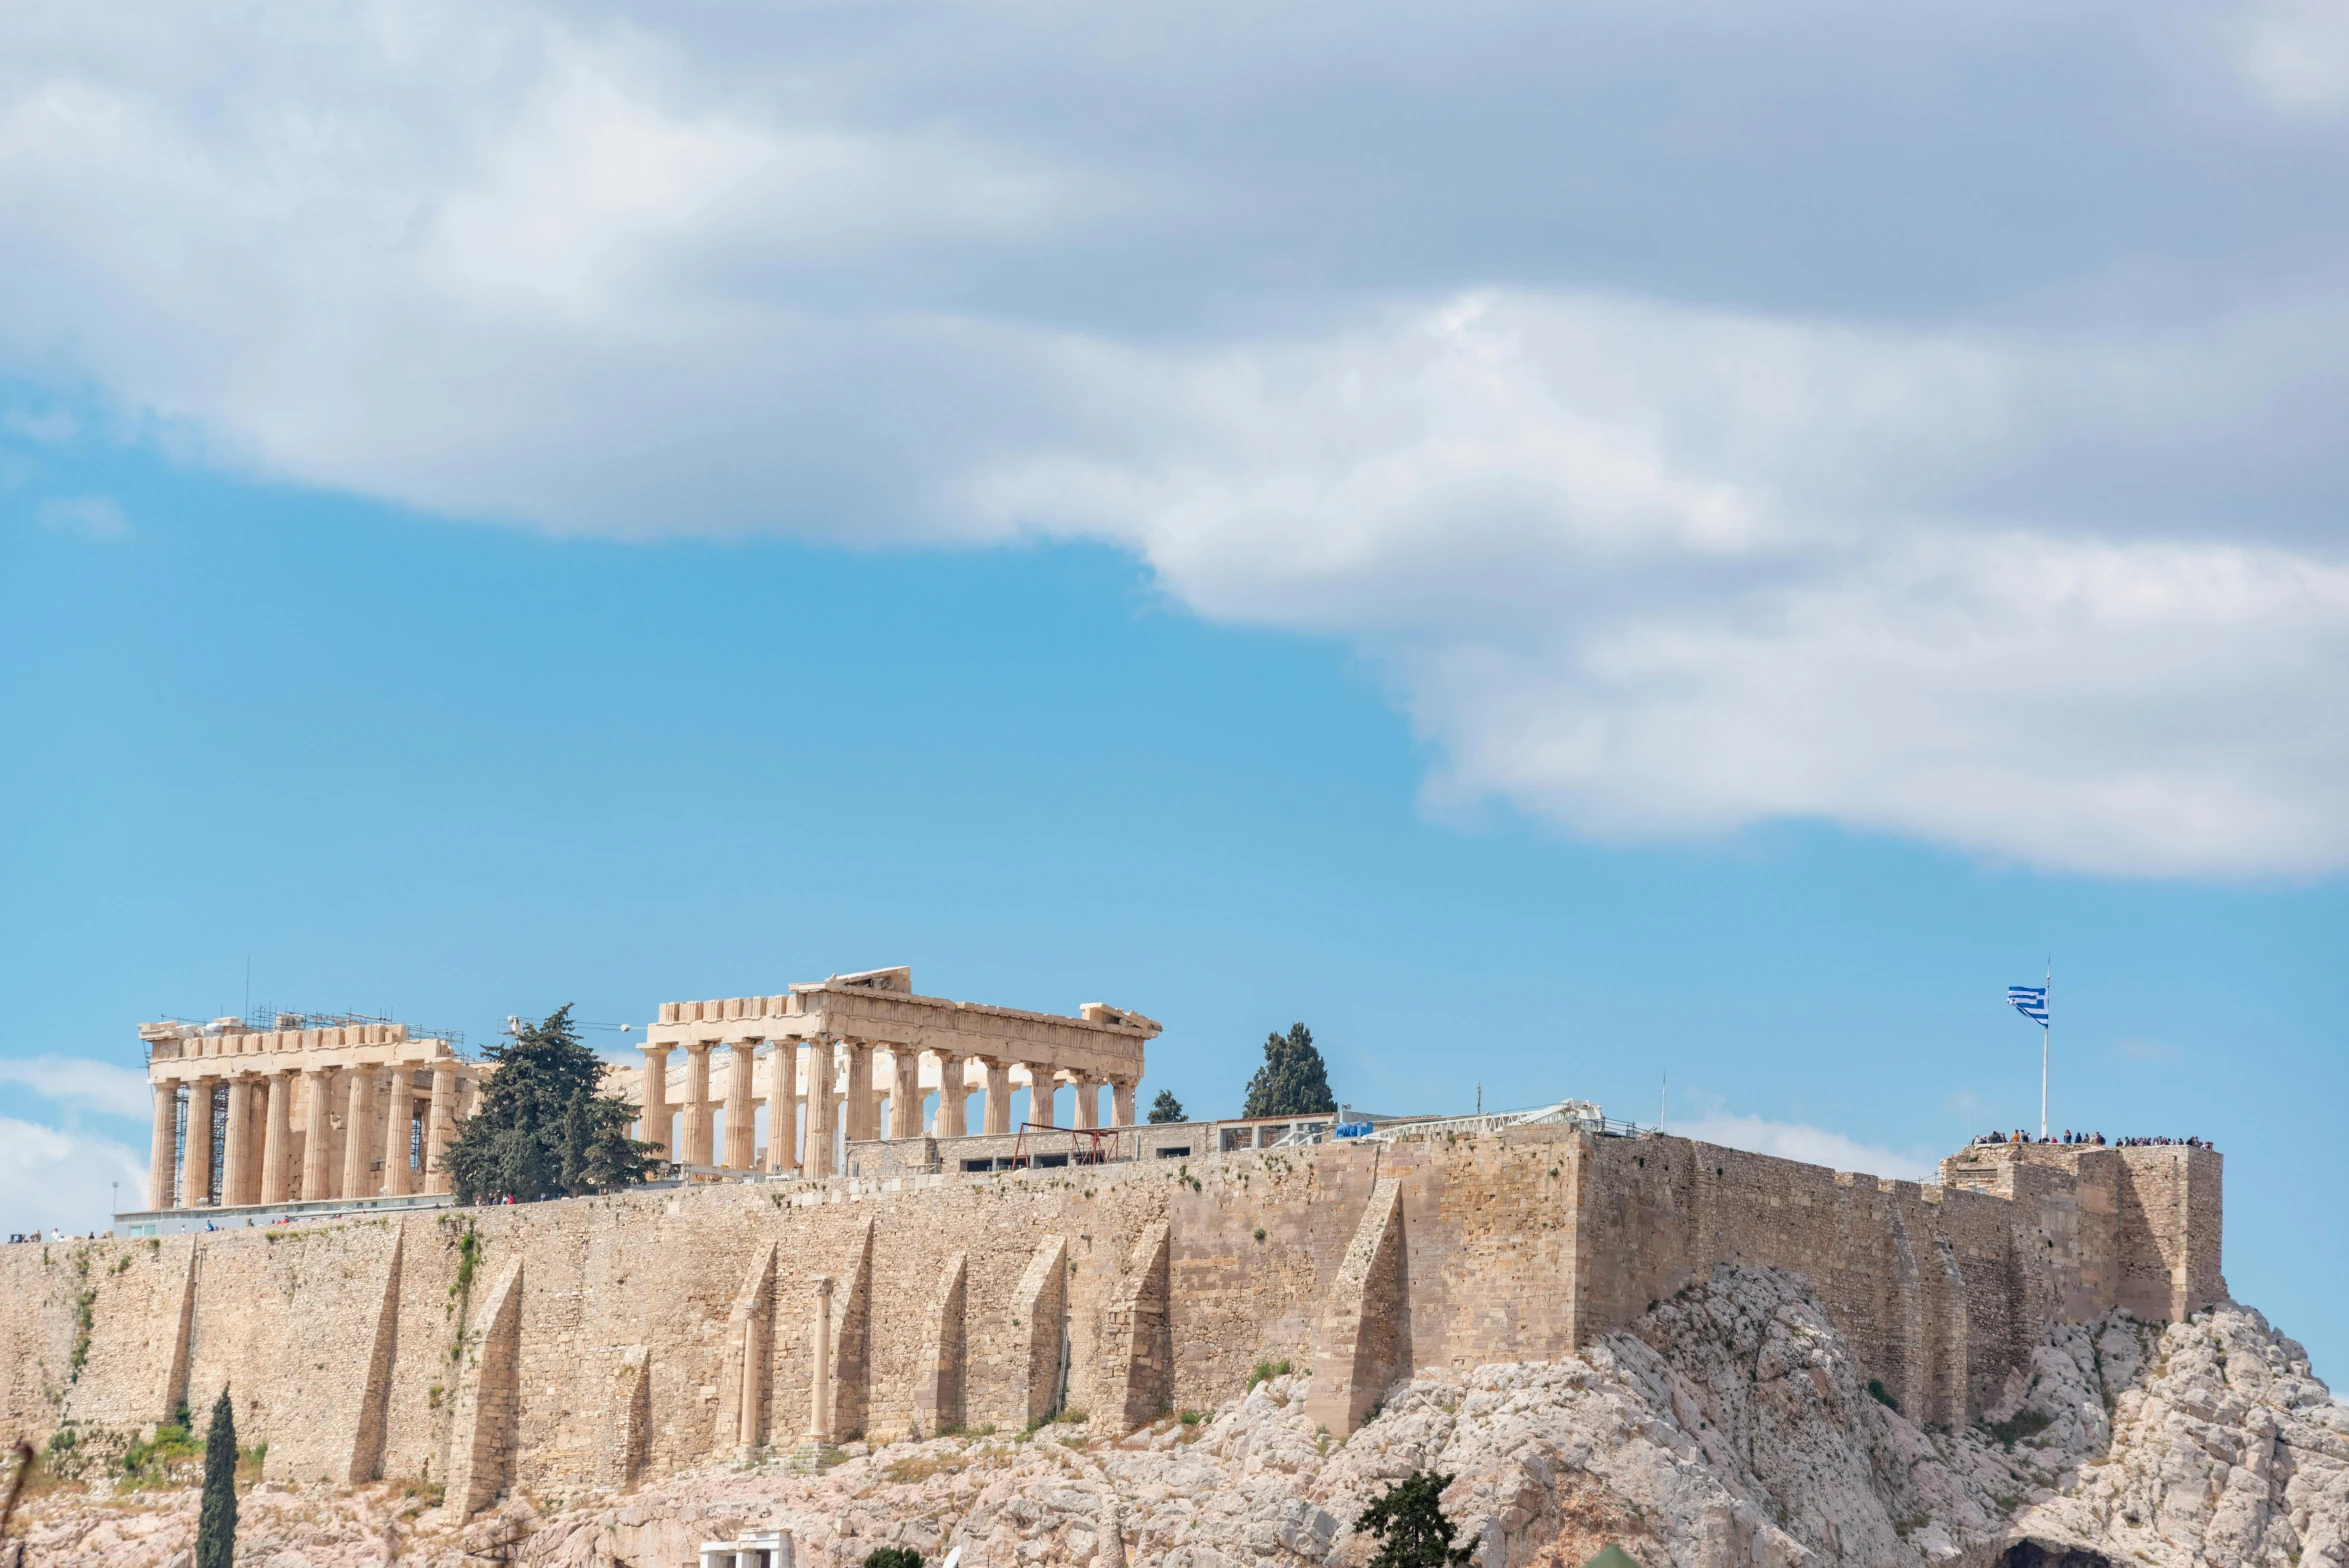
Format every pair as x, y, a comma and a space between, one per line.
1651, 573
91, 516
50, 1178
82, 1083
2295, 54
1812, 1145
1788, 478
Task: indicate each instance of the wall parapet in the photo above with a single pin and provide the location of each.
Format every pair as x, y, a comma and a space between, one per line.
667, 1325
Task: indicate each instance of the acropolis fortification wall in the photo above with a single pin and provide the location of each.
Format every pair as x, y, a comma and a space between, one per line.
564, 1346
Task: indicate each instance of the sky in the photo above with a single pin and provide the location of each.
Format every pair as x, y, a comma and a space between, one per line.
1654, 553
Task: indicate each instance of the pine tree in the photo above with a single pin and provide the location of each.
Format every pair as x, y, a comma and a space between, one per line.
543, 1130
1408, 1519
216, 1523
1166, 1108
1294, 1080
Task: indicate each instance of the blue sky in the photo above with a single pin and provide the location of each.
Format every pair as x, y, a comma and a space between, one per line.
1557, 546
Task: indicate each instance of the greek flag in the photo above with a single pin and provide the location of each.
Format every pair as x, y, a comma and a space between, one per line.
2029, 1000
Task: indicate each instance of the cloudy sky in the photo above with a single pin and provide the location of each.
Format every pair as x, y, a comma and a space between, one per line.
1726, 533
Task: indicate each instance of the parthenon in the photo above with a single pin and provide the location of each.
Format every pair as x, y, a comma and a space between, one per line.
857, 1055
342, 1109
302, 1112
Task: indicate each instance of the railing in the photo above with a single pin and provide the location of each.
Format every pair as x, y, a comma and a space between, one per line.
1571, 1113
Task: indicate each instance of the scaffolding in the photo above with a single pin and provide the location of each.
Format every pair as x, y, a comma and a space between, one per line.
268, 1019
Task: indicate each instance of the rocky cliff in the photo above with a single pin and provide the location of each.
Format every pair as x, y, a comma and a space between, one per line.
1732, 1426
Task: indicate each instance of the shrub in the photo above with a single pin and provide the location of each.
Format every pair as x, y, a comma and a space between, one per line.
1408, 1519
1877, 1393
2023, 1423
1266, 1371
85, 1317
149, 1461
893, 1557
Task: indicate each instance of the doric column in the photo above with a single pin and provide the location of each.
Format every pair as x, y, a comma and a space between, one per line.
256, 1137
162, 1180
905, 1092
954, 1098
399, 1133
440, 1130
741, 1112
317, 1100
276, 1137
696, 1135
816, 1158
1041, 1087
195, 1166
1088, 1100
358, 1122
237, 1157
859, 1093
783, 1106
1121, 1102
819, 1380
995, 1114
657, 1114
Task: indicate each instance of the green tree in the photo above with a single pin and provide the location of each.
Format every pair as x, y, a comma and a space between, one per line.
1294, 1080
216, 1522
893, 1557
543, 1130
1408, 1519
1166, 1108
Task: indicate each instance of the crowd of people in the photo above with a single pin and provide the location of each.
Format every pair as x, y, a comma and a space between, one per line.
2096, 1140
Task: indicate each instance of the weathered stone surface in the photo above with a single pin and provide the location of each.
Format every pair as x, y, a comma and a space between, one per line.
1433, 1256
1732, 1426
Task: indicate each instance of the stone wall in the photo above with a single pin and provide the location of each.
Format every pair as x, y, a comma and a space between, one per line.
567, 1346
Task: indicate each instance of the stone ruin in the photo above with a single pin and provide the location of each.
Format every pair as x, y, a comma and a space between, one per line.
764, 1300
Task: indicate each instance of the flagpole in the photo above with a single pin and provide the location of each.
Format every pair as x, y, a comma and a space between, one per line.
2046, 1030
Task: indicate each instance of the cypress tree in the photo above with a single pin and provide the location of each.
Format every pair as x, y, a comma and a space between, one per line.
1294, 1080
216, 1524
543, 1130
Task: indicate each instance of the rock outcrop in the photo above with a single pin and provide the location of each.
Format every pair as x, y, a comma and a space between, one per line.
1734, 1426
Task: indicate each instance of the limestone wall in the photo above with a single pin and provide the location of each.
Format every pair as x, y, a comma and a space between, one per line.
2167, 1230
582, 1344
2148, 1218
